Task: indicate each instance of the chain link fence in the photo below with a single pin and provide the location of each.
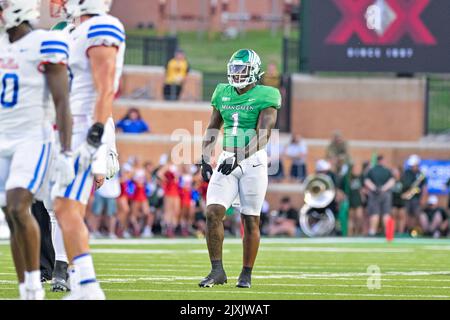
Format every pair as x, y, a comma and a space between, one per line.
150, 51
438, 111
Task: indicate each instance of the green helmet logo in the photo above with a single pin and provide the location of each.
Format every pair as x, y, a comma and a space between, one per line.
244, 68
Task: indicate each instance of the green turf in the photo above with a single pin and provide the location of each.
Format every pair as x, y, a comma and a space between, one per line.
286, 269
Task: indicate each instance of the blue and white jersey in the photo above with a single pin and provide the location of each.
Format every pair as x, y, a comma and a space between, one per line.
102, 30
24, 94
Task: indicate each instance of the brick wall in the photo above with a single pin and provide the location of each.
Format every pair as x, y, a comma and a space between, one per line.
149, 81
361, 108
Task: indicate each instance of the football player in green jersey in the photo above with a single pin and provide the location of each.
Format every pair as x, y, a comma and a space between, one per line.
248, 113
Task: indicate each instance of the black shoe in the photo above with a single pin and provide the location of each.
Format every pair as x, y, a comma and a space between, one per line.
214, 278
244, 281
60, 277
60, 285
45, 279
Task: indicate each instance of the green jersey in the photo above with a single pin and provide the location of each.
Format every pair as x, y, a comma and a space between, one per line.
240, 113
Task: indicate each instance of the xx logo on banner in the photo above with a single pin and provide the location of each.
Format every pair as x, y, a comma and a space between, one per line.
401, 17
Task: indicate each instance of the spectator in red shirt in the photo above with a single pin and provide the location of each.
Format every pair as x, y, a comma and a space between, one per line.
126, 193
187, 205
140, 208
169, 176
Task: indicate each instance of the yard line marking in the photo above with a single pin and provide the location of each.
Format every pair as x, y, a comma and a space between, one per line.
311, 276
338, 250
330, 240
438, 248
189, 278
8, 282
284, 293
362, 285
150, 251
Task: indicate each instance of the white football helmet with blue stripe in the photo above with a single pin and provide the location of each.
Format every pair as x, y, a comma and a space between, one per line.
76, 8
14, 12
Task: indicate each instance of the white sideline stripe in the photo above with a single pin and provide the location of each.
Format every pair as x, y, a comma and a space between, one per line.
289, 241
278, 249
269, 293
159, 268
8, 282
300, 265
150, 251
283, 293
439, 248
338, 250
302, 275
187, 279
270, 272
362, 285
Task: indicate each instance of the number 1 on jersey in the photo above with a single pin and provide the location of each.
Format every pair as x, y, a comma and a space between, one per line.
235, 117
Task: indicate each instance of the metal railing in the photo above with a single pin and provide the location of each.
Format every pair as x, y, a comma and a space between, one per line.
150, 51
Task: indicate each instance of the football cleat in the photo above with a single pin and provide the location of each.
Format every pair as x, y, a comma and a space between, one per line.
60, 277
90, 291
34, 294
244, 281
213, 278
60, 285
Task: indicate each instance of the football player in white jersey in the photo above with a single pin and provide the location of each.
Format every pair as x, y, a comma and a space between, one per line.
97, 48
33, 63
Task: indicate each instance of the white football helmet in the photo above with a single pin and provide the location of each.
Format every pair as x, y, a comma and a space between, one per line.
76, 8
244, 68
14, 12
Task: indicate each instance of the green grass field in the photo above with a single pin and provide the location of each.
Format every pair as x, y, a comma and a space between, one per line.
211, 54
286, 269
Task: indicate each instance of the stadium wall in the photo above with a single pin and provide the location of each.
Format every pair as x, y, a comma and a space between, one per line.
148, 82
361, 108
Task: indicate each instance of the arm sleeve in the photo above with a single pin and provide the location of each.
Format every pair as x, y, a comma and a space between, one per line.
105, 31
54, 48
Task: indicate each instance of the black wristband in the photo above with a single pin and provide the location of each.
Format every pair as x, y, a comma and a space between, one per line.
95, 134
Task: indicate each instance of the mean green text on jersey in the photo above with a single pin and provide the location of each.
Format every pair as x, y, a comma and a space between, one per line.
240, 112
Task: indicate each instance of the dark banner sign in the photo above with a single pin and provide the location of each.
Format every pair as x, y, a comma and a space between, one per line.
402, 36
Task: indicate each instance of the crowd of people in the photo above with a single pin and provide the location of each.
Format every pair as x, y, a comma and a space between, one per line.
165, 199
401, 193
168, 199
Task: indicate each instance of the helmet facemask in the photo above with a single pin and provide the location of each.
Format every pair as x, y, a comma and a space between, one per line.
244, 68
74, 9
15, 12
239, 75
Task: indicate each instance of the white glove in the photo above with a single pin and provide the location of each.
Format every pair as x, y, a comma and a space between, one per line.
85, 155
112, 164
64, 171
90, 156
99, 161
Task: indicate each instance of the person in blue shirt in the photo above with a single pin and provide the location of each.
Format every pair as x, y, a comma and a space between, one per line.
132, 123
